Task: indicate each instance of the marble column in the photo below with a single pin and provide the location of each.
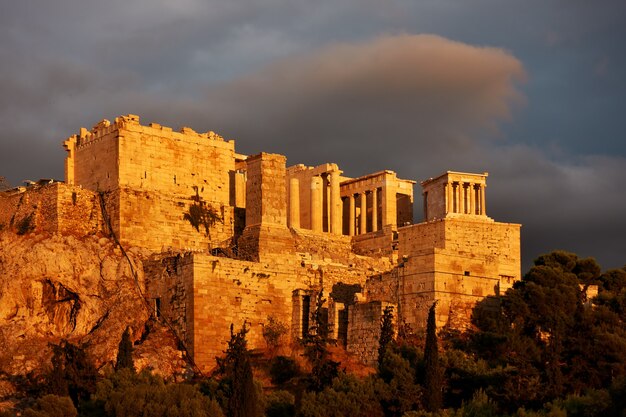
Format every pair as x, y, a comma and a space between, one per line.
472, 201
294, 203
316, 204
351, 214
374, 209
363, 225
336, 225
483, 209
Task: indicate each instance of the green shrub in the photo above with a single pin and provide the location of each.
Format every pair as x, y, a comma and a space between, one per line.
280, 404
273, 332
282, 369
25, 225
52, 406
348, 396
125, 394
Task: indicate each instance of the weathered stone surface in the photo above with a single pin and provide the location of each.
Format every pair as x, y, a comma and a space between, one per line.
63, 287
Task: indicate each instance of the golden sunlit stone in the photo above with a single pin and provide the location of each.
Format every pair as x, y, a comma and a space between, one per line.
266, 238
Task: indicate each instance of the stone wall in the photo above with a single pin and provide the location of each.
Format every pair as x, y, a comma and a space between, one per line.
457, 261
364, 321
52, 208
152, 176
156, 221
216, 292
376, 244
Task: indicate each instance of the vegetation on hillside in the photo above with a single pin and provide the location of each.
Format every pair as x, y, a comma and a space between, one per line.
544, 348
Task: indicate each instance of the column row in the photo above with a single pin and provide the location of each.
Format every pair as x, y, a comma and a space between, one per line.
465, 198
325, 200
358, 216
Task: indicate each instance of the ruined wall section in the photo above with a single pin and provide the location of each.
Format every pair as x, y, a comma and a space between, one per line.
364, 325
376, 244
456, 261
169, 289
337, 249
52, 208
153, 176
226, 292
266, 236
93, 157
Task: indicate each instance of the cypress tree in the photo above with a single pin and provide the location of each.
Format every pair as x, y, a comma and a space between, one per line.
432, 377
236, 368
386, 333
324, 369
125, 353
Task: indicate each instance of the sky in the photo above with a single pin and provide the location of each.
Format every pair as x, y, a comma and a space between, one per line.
533, 92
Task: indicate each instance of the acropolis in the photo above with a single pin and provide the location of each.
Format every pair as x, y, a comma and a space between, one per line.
239, 238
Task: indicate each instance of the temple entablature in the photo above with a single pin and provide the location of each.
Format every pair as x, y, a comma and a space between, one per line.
374, 201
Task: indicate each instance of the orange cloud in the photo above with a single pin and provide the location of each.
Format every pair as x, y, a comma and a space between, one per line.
407, 87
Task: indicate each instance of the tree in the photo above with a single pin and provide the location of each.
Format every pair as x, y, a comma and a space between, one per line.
72, 372
399, 392
432, 377
347, 396
547, 335
125, 353
235, 366
324, 369
386, 333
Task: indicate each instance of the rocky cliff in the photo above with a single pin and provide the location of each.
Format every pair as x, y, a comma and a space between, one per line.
82, 289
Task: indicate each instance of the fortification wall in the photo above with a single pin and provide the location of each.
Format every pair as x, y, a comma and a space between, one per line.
331, 248
457, 261
152, 176
155, 158
364, 324
93, 158
156, 221
226, 292
52, 208
376, 244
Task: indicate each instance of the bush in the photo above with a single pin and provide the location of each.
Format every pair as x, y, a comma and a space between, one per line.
25, 225
348, 396
480, 406
52, 406
282, 369
125, 394
280, 404
273, 332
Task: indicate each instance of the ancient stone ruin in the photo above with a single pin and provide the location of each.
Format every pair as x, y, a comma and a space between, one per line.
239, 238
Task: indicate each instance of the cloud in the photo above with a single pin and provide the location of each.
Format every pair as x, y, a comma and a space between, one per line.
393, 95
573, 203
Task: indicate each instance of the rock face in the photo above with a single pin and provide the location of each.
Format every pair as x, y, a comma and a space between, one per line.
80, 289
